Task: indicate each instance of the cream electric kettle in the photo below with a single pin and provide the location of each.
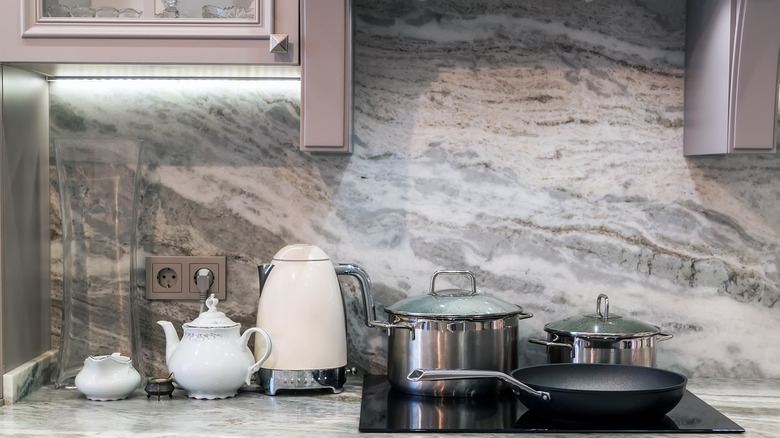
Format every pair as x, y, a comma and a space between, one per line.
302, 309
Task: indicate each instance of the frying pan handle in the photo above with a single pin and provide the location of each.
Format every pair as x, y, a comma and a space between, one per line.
427, 375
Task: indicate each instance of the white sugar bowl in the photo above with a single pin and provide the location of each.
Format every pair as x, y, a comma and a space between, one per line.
105, 378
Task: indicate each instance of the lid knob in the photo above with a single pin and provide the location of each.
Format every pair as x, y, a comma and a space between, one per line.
212, 301
473, 290
605, 313
212, 318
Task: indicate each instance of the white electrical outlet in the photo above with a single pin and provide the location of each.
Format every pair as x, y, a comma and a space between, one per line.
173, 278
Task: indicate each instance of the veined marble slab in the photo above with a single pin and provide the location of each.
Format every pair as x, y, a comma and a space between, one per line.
754, 405
537, 144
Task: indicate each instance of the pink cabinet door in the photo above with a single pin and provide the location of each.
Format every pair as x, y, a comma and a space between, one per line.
32, 33
326, 76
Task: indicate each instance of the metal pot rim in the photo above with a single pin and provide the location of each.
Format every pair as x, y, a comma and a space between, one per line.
591, 335
459, 317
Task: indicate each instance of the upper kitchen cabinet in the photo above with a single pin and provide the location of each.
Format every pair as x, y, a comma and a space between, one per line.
239, 32
326, 77
306, 39
731, 77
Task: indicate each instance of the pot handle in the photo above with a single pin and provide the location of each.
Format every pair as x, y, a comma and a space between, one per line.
432, 290
664, 336
426, 375
364, 281
553, 344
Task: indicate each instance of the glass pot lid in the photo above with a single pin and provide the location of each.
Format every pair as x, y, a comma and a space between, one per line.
602, 324
211, 318
454, 303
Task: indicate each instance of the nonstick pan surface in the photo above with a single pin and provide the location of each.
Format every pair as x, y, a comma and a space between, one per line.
585, 392
601, 391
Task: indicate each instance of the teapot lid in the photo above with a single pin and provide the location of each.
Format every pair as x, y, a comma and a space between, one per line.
211, 318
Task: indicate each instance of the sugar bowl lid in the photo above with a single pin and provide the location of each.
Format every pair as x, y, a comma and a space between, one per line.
212, 318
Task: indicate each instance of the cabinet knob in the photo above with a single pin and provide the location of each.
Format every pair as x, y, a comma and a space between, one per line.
278, 43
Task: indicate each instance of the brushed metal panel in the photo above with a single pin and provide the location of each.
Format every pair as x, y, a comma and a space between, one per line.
24, 217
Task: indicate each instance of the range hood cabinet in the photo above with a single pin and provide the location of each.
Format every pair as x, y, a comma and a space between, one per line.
732, 58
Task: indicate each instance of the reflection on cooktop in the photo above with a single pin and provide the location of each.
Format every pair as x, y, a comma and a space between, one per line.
384, 409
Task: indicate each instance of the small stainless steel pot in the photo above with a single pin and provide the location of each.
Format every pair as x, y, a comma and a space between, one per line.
451, 328
602, 338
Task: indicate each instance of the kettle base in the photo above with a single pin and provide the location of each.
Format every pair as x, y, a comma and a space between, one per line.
274, 380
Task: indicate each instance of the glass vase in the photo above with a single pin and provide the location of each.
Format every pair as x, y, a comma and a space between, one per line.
97, 191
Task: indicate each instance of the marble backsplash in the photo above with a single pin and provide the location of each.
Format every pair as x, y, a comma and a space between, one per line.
538, 144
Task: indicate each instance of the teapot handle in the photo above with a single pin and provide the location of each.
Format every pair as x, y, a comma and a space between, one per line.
244, 338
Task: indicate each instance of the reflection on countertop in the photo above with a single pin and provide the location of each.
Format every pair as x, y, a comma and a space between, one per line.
753, 404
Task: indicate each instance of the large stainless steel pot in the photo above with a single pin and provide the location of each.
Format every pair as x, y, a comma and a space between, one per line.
451, 328
602, 338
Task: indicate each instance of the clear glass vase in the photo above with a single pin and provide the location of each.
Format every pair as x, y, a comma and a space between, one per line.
97, 190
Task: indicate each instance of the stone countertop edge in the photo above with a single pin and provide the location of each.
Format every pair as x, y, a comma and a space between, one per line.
25, 379
49, 412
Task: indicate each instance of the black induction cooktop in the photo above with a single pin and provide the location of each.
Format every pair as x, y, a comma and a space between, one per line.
384, 409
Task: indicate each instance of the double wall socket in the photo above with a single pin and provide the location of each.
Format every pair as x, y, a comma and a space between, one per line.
173, 278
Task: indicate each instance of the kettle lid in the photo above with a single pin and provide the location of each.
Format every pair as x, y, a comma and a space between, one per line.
301, 253
211, 318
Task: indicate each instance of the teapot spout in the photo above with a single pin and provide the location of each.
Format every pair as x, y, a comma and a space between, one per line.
171, 339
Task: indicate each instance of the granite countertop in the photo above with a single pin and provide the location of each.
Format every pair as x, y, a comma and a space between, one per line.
753, 404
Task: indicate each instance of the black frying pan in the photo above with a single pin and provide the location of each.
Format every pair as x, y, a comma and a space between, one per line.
584, 392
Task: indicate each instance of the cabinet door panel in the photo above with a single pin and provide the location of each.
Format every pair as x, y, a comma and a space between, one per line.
153, 22
755, 72
326, 64
29, 37
732, 71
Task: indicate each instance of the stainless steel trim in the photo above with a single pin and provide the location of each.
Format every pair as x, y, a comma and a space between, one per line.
433, 375
432, 290
273, 380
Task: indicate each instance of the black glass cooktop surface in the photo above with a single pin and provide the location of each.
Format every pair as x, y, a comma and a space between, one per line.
384, 409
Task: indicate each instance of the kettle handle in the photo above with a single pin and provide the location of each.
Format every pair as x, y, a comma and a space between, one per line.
268, 345
365, 287
368, 298
263, 271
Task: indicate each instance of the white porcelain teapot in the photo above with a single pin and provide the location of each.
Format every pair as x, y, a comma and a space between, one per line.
212, 360
106, 378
